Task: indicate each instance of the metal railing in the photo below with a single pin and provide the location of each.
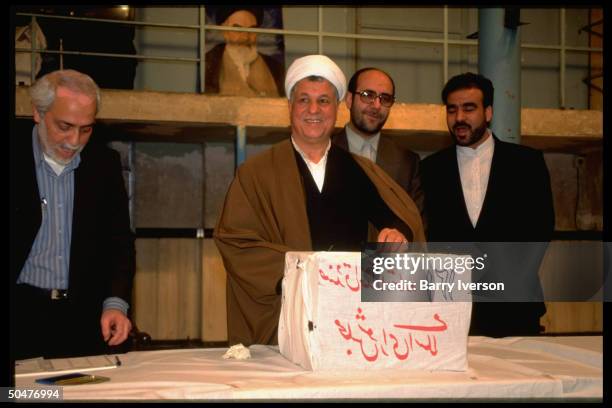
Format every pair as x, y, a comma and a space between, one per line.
319, 34
445, 41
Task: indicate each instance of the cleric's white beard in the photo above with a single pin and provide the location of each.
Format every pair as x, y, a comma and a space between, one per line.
243, 56
244, 53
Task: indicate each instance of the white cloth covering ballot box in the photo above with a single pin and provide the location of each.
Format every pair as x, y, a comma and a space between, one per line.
324, 325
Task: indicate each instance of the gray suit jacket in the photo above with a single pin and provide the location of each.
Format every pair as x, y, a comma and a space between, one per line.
400, 163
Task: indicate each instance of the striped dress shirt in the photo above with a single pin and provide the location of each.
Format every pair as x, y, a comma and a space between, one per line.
48, 263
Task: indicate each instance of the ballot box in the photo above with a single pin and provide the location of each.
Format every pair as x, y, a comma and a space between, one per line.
325, 325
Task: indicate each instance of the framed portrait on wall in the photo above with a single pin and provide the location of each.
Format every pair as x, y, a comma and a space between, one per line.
241, 63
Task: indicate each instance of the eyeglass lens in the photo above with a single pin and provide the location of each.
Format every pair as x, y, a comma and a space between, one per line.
368, 96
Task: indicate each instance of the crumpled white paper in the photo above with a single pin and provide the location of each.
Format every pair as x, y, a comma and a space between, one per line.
237, 351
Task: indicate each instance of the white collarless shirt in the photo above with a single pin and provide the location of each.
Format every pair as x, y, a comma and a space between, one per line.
474, 170
57, 168
317, 170
367, 148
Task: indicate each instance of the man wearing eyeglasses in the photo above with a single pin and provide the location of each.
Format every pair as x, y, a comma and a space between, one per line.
370, 96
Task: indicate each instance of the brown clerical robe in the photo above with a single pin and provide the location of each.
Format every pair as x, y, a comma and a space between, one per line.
264, 216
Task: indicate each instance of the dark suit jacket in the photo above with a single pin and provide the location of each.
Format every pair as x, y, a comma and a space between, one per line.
102, 256
518, 207
400, 163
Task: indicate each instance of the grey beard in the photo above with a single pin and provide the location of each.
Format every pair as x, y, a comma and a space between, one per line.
48, 150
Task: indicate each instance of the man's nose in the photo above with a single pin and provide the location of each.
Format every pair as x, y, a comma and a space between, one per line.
459, 115
73, 136
376, 103
313, 107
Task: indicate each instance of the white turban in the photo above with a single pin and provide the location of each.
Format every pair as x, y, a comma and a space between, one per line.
318, 65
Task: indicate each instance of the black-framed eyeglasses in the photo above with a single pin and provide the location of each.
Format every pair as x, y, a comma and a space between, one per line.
368, 96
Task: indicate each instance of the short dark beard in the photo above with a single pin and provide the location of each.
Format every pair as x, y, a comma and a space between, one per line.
477, 135
360, 124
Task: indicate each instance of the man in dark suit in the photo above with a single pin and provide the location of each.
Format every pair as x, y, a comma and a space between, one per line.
485, 190
72, 250
370, 96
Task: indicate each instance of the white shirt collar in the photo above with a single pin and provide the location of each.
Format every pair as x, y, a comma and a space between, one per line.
317, 170
57, 167
483, 148
356, 142
305, 157
474, 171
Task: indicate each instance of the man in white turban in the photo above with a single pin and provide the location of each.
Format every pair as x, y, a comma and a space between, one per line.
302, 194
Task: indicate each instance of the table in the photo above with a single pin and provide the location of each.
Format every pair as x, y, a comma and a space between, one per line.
517, 368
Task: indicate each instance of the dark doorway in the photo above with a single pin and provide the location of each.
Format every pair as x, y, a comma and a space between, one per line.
88, 36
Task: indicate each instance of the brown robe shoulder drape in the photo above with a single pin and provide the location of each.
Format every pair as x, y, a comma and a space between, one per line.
263, 217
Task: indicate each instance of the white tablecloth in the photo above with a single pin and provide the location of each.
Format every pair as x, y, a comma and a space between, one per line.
509, 368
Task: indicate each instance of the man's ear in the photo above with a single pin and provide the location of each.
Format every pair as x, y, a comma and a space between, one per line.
348, 99
488, 113
37, 116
